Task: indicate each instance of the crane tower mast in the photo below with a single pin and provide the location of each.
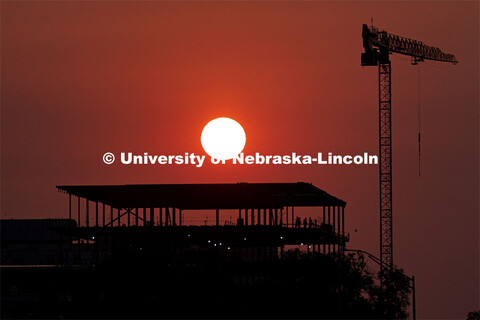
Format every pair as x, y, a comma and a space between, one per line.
378, 45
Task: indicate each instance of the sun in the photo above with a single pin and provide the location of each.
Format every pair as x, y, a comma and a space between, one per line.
223, 138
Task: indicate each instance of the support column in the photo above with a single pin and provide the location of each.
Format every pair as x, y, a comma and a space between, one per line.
239, 217
253, 216
335, 209
333, 218
78, 213
111, 216
69, 206
136, 217
118, 220
152, 216
328, 220
338, 220
259, 222
145, 217
128, 217
161, 217
87, 213
323, 221
217, 217
96, 213
286, 215
293, 215
103, 214
264, 217
179, 217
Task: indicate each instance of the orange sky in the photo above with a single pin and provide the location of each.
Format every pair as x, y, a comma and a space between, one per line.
80, 79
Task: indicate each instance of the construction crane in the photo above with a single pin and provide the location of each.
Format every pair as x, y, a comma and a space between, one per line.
378, 45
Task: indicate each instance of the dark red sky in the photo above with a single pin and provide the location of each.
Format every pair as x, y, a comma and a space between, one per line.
80, 79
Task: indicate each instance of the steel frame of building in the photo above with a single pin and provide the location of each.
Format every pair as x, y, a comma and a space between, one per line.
265, 209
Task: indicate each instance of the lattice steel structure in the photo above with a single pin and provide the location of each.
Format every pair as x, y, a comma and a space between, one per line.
385, 168
378, 46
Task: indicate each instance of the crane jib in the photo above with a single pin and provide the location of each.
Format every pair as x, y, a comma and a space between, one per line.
375, 40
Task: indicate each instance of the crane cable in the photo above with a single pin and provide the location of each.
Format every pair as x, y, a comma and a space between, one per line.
419, 106
419, 122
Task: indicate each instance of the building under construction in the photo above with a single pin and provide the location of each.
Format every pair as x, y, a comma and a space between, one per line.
151, 217
122, 239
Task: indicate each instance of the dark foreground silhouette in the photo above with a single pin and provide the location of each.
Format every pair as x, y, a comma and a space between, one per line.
179, 285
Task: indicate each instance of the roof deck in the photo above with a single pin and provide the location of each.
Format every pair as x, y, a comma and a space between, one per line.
265, 212
206, 196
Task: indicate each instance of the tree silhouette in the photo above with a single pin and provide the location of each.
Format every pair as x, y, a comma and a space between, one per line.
204, 284
473, 315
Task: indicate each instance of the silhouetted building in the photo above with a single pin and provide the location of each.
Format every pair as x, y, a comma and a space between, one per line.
133, 251
35, 242
125, 218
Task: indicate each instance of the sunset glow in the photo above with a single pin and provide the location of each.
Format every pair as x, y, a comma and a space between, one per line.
223, 138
